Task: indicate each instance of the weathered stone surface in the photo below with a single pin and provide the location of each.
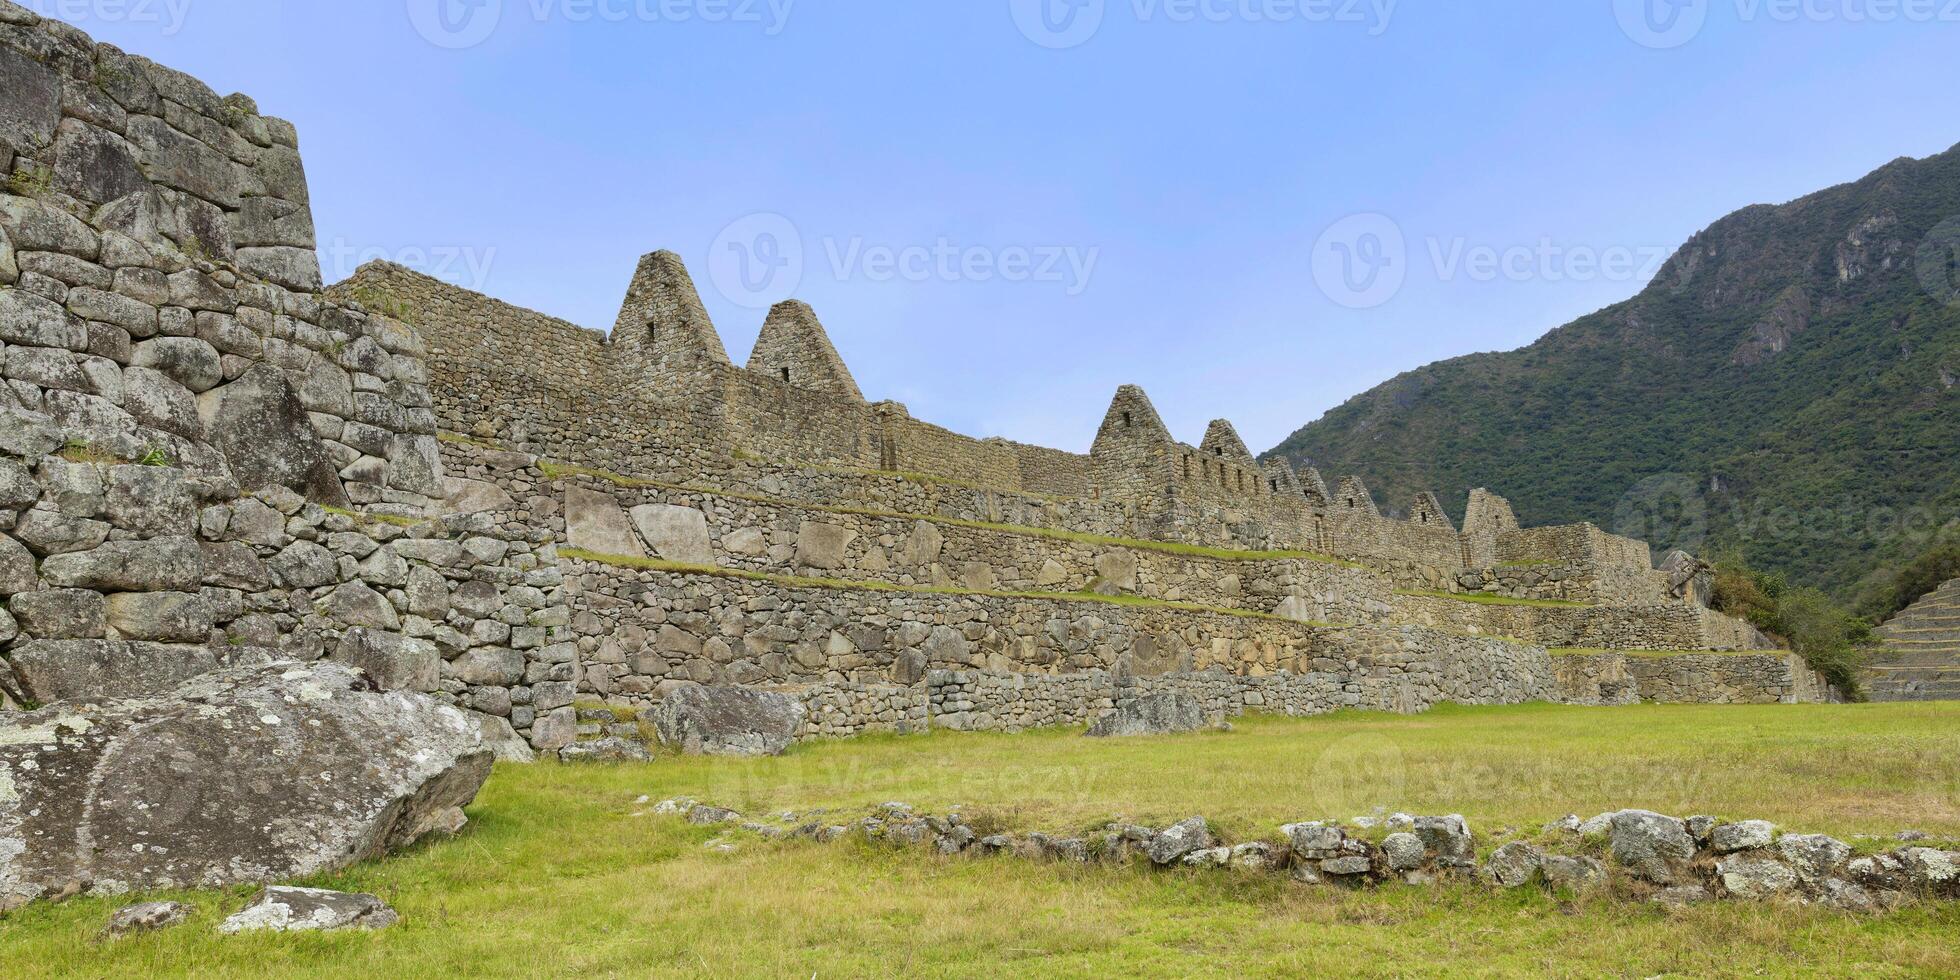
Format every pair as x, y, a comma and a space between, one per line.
1155, 714
608, 749
149, 500
728, 721
1449, 838
393, 661
48, 533
165, 617
36, 321
1753, 878
354, 604
50, 671
489, 667
285, 909
1573, 873
1813, 857
154, 399
251, 775
677, 534
1404, 851
823, 546
1172, 844
462, 496
61, 614
160, 564
304, 565
594, 522
1514, 864
147, 917
1116, 572
1744, 836
32, 108
1651, 845
186, 360
16, 568
259, 424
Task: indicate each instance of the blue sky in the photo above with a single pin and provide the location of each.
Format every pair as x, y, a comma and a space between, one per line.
1002, 217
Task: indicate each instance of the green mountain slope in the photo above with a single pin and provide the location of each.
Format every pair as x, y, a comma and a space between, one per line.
1787, 387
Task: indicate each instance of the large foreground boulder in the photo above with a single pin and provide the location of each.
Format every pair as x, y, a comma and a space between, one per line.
248, 775
737, 721
1152, 714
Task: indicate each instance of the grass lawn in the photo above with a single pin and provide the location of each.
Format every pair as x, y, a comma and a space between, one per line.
557, 876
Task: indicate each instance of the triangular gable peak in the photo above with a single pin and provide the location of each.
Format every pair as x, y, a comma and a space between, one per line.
1428, 511
1222, 442
1353, 498
1313, 486
1281, 479
663, 321
1488, 513
794, 349
1131, 419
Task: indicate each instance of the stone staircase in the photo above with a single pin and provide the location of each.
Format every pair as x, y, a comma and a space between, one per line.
1920, 659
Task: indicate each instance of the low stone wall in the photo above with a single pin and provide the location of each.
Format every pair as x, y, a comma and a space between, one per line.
1663, 626
1595, 679
640, 629
780, 537
1728, 679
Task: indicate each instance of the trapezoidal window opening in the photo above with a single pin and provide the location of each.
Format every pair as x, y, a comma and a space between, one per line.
786, 375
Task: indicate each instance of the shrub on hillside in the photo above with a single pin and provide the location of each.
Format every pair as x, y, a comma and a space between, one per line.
1829, 637
1936, 567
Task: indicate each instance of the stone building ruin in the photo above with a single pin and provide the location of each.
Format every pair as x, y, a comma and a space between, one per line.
207, 455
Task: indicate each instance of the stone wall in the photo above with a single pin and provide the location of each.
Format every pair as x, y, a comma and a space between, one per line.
1664, 626
185, 421
1727, 679
776, 536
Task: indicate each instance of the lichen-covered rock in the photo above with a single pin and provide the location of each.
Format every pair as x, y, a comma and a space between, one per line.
1449, 839
259, 425
1651, 845
1573, 873
1756, 878
1514, 864
1404, 851
1154, 714
146, 917
734, 721
1744, 836
1314, 841
309, 910
1172, 844
608, 749
1814, 857
248, 775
